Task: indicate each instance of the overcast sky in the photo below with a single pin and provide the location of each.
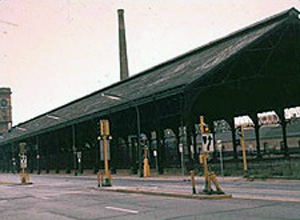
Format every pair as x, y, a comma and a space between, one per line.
54, 51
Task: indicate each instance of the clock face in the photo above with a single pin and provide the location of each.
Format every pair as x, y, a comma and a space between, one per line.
3, 102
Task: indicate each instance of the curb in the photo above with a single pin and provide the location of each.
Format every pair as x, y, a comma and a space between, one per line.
269, 198
14, 183
167, 194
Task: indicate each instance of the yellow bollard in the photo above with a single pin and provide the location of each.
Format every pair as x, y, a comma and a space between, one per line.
24, 177
146, 164
193, 182
146, 168
99, 179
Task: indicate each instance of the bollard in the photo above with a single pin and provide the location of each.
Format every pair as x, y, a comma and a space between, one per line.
146, 164
193, 182
99, 179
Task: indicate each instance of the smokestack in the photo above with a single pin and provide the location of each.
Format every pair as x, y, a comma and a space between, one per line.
124, 74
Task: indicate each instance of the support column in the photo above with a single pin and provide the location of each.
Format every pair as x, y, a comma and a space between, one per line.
128, 158
57, 157
185, 148
37, 155
176, 133
234, 146
74, 149
13, 159
132, 155
196, 152
257, 126
160, 150
190, 147
283, 124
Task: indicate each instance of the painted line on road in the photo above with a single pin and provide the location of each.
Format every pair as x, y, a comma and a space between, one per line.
121, 209
42, 197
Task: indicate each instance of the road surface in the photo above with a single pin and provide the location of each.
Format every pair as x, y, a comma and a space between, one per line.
65, 197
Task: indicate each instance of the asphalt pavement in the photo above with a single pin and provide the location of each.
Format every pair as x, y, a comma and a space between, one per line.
70, 197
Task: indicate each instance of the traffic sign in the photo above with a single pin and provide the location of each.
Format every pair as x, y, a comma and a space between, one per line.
23, 162
207, 142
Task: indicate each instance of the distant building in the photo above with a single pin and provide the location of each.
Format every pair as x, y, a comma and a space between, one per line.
5, 112
270, 137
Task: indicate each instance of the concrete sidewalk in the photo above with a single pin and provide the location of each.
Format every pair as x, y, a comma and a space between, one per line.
234, 187
162, 192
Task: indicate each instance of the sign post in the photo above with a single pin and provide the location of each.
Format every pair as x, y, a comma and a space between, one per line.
181, 155
207, 142
104, 132
24, 177
156, 162
79, 154
241, 133
207, 147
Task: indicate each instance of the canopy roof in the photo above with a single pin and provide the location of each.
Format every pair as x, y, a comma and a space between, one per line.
195, 69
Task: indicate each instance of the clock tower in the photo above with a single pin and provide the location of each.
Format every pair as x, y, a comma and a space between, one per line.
5, 110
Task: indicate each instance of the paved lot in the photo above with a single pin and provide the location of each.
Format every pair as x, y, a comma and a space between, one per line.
62, 197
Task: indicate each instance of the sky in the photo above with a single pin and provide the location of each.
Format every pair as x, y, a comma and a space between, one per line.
55, 51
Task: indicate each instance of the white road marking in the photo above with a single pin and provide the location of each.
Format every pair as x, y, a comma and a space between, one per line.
121, 210
42, 197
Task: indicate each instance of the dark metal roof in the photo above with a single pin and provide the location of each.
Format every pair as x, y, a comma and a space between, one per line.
173, 75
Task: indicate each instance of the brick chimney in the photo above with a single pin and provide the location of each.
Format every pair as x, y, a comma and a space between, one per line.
124, 73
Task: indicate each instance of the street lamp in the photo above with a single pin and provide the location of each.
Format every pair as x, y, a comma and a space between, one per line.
138, 124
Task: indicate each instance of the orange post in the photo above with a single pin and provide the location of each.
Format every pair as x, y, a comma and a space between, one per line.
193, 182
99, 179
